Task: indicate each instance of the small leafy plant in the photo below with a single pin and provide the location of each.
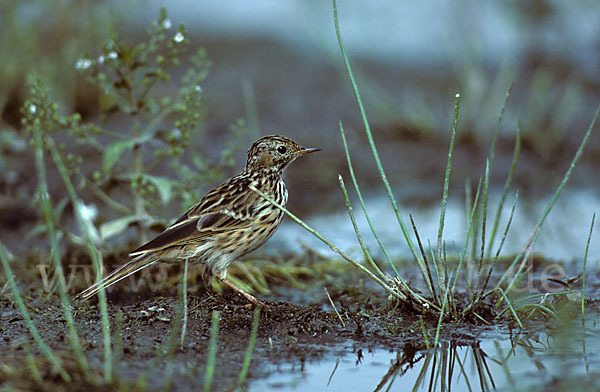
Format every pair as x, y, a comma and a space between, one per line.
143, 130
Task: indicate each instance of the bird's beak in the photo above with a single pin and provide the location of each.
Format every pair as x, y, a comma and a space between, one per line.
307, 150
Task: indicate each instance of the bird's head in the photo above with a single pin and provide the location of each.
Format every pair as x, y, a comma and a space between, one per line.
274, 153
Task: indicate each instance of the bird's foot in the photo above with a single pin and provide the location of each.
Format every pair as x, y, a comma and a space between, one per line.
246, 295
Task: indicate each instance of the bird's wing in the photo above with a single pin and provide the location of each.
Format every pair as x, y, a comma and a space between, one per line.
227, 207
234, 198
173, 235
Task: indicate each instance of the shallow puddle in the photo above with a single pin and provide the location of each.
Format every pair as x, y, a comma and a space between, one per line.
568, 358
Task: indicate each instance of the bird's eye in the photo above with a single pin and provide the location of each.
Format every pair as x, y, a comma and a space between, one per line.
281, 149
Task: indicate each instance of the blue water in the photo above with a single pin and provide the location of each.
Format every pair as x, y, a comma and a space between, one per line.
557, 357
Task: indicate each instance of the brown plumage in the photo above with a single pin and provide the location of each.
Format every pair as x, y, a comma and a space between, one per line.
229, 222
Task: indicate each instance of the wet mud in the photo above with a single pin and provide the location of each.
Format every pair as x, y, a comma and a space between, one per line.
146, 330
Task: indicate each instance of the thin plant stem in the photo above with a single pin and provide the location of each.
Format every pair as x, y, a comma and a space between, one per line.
468, 206
250, 349
395, 293
184, 304
503, 363
512, 310
491, 268
492, 154
469, 229
507, 184
93, 252
171, 349
363, 115
435, 268
56, 365
423, 372
104, 197
212, 352
33, 367
475, 236
529, 245
118, 349
442, 266
424, 332
362, 202
355, 263
357, 232
463, 372
585, 256
46, 207
500, 116
334, 308
440, 319
544, 296
486, 184
429, 278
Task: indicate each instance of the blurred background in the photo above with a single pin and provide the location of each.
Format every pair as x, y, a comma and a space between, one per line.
276, 65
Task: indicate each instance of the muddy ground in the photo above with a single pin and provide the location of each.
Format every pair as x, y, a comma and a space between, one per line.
144, 325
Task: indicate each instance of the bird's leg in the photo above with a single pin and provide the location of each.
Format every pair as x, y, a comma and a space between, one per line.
207, 278
222, 277
246, 295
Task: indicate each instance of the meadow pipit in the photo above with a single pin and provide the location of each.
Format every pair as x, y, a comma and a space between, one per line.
229, 222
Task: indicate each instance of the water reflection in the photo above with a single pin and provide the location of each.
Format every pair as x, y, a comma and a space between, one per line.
441, 369
554, 356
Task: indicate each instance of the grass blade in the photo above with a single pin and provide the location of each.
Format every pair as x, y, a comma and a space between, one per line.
171, 348
27, 318
361, 200
491, 267
212, 352
46, 207
363, 115
468, 235
93, 252
250, 349
355, 263
184, 304
429, 278
441, 266
507, 185
500, 116
512, 310
334, 308
529, 245
357, 232
585, 256
486, 183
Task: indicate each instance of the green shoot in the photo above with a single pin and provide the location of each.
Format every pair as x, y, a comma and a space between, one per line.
355, 263
442, 266
250, 349
363, 115
46, 207
25, 314
357, 232
362, 202
334, 308
529, 245
585, 256
212, 352
88, 230
184, 302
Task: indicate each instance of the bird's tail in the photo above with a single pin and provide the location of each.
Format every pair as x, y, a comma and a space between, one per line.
135, 265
